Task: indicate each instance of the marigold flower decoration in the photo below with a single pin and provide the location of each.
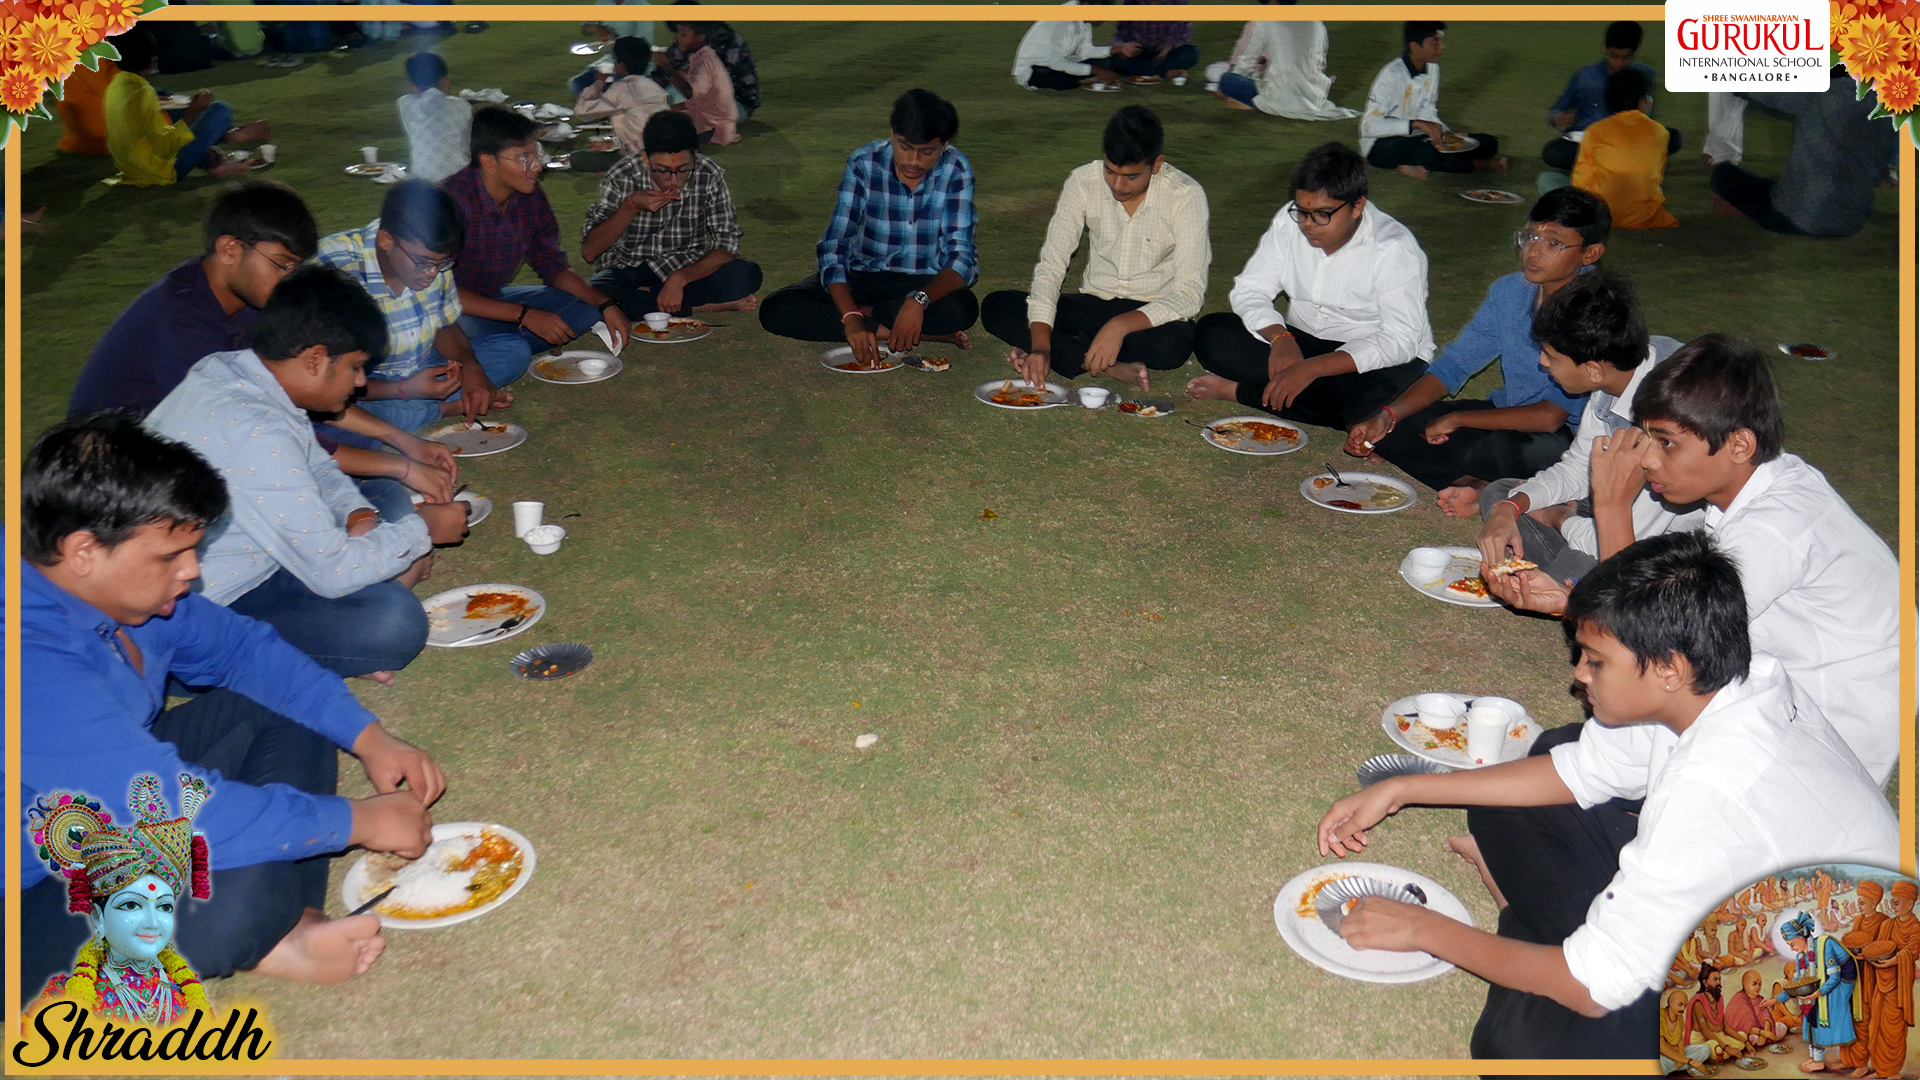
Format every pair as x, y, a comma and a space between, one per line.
1879, 43
43, 41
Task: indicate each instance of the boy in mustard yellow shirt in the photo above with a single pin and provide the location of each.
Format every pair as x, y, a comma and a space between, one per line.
149, 147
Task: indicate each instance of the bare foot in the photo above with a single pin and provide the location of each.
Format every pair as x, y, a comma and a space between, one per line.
750, 303
1418, 172
1240, 105
325, 951
1724, 208
1460, 500
1492, 165
421, 570
1864, 1070
258, 131
1130, 373
1811, 1066
1213, 388
1468, 849
384, 678
229, 168
1707, 160
958, 339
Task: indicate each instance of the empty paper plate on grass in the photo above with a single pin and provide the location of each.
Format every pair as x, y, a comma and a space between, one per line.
1386, 766
1297, 916
477, 438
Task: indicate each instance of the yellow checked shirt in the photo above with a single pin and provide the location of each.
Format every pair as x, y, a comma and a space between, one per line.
1159, 254
1623, 159
139, 136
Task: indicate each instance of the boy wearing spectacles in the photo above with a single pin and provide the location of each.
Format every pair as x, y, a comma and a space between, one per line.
663, 235
1355, 334
1459, 446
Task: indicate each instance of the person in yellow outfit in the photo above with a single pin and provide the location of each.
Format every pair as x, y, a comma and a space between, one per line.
1623, 158
151, 148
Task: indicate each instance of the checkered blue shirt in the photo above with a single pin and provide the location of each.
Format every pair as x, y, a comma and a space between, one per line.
879, 225
413, 318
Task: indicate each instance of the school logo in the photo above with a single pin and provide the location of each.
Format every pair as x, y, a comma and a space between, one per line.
1753, 45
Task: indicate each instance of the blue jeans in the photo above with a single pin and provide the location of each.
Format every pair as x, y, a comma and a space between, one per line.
504, 357
579, 314
1179, 58
208, 127
1239, 88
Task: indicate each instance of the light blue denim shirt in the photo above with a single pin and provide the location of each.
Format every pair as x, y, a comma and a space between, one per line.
288, 500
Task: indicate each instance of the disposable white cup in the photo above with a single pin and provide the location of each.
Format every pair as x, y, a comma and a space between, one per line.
658, 320
1486, 734
545, 539
1093, 397
1429, 562
526, 515
267, 152
371, 153
1506, 705
1439, 711
592, 368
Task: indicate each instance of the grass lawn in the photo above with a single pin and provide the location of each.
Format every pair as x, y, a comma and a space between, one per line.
1109, 717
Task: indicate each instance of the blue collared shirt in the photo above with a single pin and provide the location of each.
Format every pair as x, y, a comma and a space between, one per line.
1586, 94
1503, 327
879, 225
86, 715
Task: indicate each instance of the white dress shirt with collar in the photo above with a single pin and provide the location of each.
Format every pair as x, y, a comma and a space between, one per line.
1370, 294
1062, 46
1759, 783
1160, 253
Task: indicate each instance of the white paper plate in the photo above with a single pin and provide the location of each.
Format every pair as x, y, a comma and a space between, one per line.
1370, 485
354, 892
376, 170
565, 368
481, 505
1466, 143
176, 101
586, 48
1465, 564
1491, 196
1056, 394
832, 358
1326, 950
1414, 740
1251, 446
678, 331
447, 621
469, 443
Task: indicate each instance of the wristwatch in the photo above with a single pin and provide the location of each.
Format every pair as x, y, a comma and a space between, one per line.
920, 296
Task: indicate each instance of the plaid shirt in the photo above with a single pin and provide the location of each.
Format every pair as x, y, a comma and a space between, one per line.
412, 317
678, 234
500, 238
880, 225
1154, 34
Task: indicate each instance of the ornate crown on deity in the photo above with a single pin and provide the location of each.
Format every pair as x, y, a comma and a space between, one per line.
79, 840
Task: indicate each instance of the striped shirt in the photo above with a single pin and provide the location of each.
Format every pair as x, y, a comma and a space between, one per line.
1159, 253
880, 225
413, 318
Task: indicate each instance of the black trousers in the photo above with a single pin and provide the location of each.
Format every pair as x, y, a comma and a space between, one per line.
252, 907
1561, 152
1046, 78
1076, 319
1751, 195
1468, 452
1337, 401
1550, 862
636, 288
1397, 150
805, 310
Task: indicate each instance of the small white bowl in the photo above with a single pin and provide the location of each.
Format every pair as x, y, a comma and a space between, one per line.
658, 320
1094, 397
1428, 561
593, 367
545, 539
1439, 711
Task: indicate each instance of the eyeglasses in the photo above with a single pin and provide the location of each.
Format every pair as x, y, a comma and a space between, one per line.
669, 174
525, 161
285, 268
434, 267
1318, 217
1525, 238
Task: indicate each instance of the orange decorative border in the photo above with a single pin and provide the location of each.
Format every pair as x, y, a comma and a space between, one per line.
44, 41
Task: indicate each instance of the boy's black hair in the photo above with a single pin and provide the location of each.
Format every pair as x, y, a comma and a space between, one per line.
633, 53
107, 475
137, 48
425, 69
1594, 319
1133, 137
1334, 168
1671, 595
320, 305
922, 116
496, 130
423, 213
1415, 32
669, 132
1624, 35
1713, 386
1577, 209
263, 212
1626, 88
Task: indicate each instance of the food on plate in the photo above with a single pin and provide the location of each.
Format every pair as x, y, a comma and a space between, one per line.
1401, 722
1323, 482
1512, 564
1385, 496
878, 363
1453, 738
1019, 398
1304, 908
1806, 351
1345, 504
1469, 586
455, 874
927, 363
1256, 430
497, 605
690, 325
551, 370
1135, 408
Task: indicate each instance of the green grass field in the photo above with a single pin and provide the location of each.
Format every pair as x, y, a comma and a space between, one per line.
1109, 717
